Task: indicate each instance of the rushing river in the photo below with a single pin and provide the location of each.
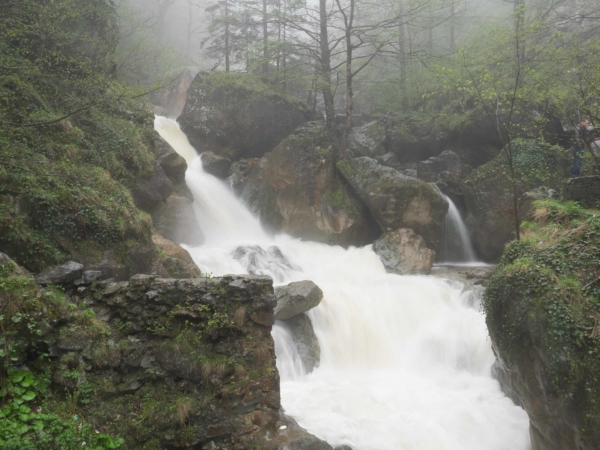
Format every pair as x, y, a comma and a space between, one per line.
405, 360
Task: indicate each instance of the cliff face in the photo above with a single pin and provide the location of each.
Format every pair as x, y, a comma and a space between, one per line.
543, 314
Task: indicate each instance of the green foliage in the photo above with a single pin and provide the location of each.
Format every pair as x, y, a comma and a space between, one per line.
545, 294
535, 164
64, 183
32, 417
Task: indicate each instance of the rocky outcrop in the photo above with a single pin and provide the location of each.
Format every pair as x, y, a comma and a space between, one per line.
292, 191
63, 273
585, 190
367, 140
403, 252
296, 298
175, 220
215, 165
149, 193
447, 165
174, 261
542, 316
489, 194
239, 173
194, 358
237, 116
395, 200
173, 216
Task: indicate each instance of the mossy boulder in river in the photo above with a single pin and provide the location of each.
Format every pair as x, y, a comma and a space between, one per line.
292, 190
542, 311
237, 115
396, 200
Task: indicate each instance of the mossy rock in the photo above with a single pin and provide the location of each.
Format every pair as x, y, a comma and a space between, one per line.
293, 190
542, 311
237, 115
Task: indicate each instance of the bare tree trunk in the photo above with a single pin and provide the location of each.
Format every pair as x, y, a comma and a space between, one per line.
265, 38
326, 82
226, 35
402, 52
278, 61
452, 28
349, 23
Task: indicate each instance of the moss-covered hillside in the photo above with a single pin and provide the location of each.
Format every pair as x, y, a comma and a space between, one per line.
543, 313
72, 139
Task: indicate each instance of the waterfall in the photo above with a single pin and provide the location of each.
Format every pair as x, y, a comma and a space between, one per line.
405, 360
456, 244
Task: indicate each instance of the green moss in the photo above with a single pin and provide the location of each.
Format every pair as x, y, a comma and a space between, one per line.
544, 295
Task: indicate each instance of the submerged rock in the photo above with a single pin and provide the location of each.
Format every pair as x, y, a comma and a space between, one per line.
295, 298
239, 173
215, 165
258, 261
237, 116
395, 200
292, 191
61, 274
403, 252
305, 340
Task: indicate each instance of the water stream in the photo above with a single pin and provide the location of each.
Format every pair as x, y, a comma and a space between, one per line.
405, 360
456, 242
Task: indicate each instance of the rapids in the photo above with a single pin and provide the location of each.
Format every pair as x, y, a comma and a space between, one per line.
405, 360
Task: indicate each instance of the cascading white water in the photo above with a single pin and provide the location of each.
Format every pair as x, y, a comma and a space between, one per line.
456, 242
405, 360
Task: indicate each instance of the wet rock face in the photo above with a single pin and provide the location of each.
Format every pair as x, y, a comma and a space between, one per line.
296, 298
306, 342
292, 191
195, 357
235, 117
239, 173
404, 252
149, 193
175, 220
396, 200
215, 165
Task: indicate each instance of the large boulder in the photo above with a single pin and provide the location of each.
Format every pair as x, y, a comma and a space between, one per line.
306, 342
174, 261
367, 140
292, 190
149, 193
237, 116
403, 252
175, 220
173, 165
446, 165
396, 200
61, 274
296, 298
489, 194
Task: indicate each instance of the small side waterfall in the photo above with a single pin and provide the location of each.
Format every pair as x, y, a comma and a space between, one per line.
405, 360
456, 243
